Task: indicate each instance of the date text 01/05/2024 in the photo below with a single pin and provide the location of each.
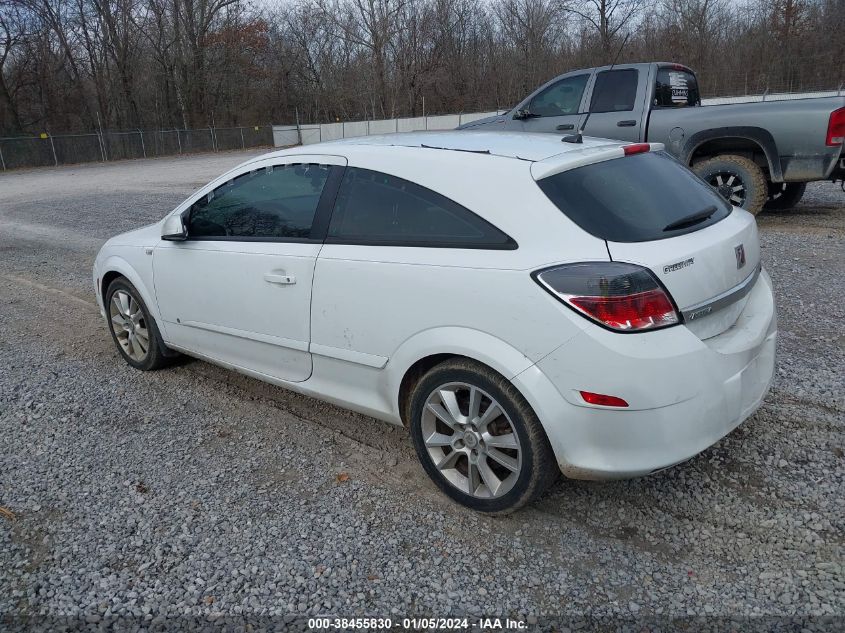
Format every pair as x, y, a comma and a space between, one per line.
431, 623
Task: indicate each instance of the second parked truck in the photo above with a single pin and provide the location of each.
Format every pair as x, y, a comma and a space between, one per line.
755, 154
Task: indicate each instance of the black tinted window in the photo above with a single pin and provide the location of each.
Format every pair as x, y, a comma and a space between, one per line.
560, 99
614, 91
675, 88
270, 202
636, 198
376, 208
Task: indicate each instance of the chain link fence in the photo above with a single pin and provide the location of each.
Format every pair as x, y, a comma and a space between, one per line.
65, 149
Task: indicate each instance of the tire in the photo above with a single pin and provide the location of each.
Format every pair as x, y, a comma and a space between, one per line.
523, 471
129, 322
784, 195
727, 172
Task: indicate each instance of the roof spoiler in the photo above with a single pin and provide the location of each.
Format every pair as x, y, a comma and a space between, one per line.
586, 156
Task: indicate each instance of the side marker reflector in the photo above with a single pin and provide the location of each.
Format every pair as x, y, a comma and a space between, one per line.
602, 399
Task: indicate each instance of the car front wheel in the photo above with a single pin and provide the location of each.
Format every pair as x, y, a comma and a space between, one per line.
133, 330
478, 439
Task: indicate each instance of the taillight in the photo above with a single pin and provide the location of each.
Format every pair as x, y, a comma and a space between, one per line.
622, 297
602, 400
636, 148
836, 128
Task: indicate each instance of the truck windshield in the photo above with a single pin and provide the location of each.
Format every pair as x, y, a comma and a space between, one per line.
675, 88
637, 198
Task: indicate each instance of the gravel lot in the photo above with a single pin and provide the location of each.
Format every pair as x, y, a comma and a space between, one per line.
195, 492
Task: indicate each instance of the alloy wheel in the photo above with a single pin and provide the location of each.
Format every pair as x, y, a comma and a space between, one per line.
471, 440
129, 325
730, 187
777, 190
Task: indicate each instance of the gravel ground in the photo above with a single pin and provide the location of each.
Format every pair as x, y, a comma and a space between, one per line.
193, 492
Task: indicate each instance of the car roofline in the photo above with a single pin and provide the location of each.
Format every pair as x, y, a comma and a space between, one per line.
571, 156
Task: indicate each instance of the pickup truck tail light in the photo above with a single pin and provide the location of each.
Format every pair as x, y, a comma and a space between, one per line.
618, 296
836, 128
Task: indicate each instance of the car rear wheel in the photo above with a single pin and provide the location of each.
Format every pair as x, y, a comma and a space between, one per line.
133, 330
784, 195
478, 439
737, 179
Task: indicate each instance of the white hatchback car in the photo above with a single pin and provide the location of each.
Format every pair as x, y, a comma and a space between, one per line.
523, 305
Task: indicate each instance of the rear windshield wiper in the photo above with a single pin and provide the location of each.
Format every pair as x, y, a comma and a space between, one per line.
694, 218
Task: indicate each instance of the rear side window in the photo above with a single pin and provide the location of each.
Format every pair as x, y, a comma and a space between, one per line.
615, 91
379, 209
675, 88
561, 99
270, 203
637, 198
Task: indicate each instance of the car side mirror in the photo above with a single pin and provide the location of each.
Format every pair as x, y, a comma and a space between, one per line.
522, 113
174, 229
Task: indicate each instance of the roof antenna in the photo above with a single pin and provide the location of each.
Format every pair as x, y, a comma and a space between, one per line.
579, 137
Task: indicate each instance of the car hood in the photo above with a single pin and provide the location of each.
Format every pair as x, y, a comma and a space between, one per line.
148, 235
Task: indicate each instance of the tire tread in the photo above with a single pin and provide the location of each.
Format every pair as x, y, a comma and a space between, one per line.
544, 467
759, 189
156, 358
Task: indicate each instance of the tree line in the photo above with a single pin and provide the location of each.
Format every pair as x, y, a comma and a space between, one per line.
78, 65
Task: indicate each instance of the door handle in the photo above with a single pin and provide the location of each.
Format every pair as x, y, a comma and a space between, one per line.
566, 126
279, 278
629, 123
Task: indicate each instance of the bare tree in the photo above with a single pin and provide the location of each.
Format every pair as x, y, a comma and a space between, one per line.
608, 18
534, 30
193, 63
12, 34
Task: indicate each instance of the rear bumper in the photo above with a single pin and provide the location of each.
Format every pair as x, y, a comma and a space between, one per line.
684, 393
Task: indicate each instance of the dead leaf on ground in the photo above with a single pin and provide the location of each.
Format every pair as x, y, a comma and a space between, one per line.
208, 599
7, 514
142, 488
372, 577
342, 477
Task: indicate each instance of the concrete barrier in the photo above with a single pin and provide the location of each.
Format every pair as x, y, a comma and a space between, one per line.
286, 135
414, 124
386, 126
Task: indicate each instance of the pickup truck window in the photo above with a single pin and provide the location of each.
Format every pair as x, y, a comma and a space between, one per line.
561, 98
636, 198
615, 91
675, 88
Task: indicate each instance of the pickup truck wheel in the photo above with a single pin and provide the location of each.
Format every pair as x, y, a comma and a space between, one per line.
738, 180
784, 195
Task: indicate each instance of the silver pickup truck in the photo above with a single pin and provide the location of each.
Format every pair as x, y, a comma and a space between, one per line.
756, 154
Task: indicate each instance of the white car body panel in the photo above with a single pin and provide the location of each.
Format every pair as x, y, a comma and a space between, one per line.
359, 316
706, 276
129, 255
222, 277
272, 337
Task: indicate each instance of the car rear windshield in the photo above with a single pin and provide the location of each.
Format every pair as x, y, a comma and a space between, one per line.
637, 198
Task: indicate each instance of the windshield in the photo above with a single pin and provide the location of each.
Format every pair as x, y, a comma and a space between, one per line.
637, 198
